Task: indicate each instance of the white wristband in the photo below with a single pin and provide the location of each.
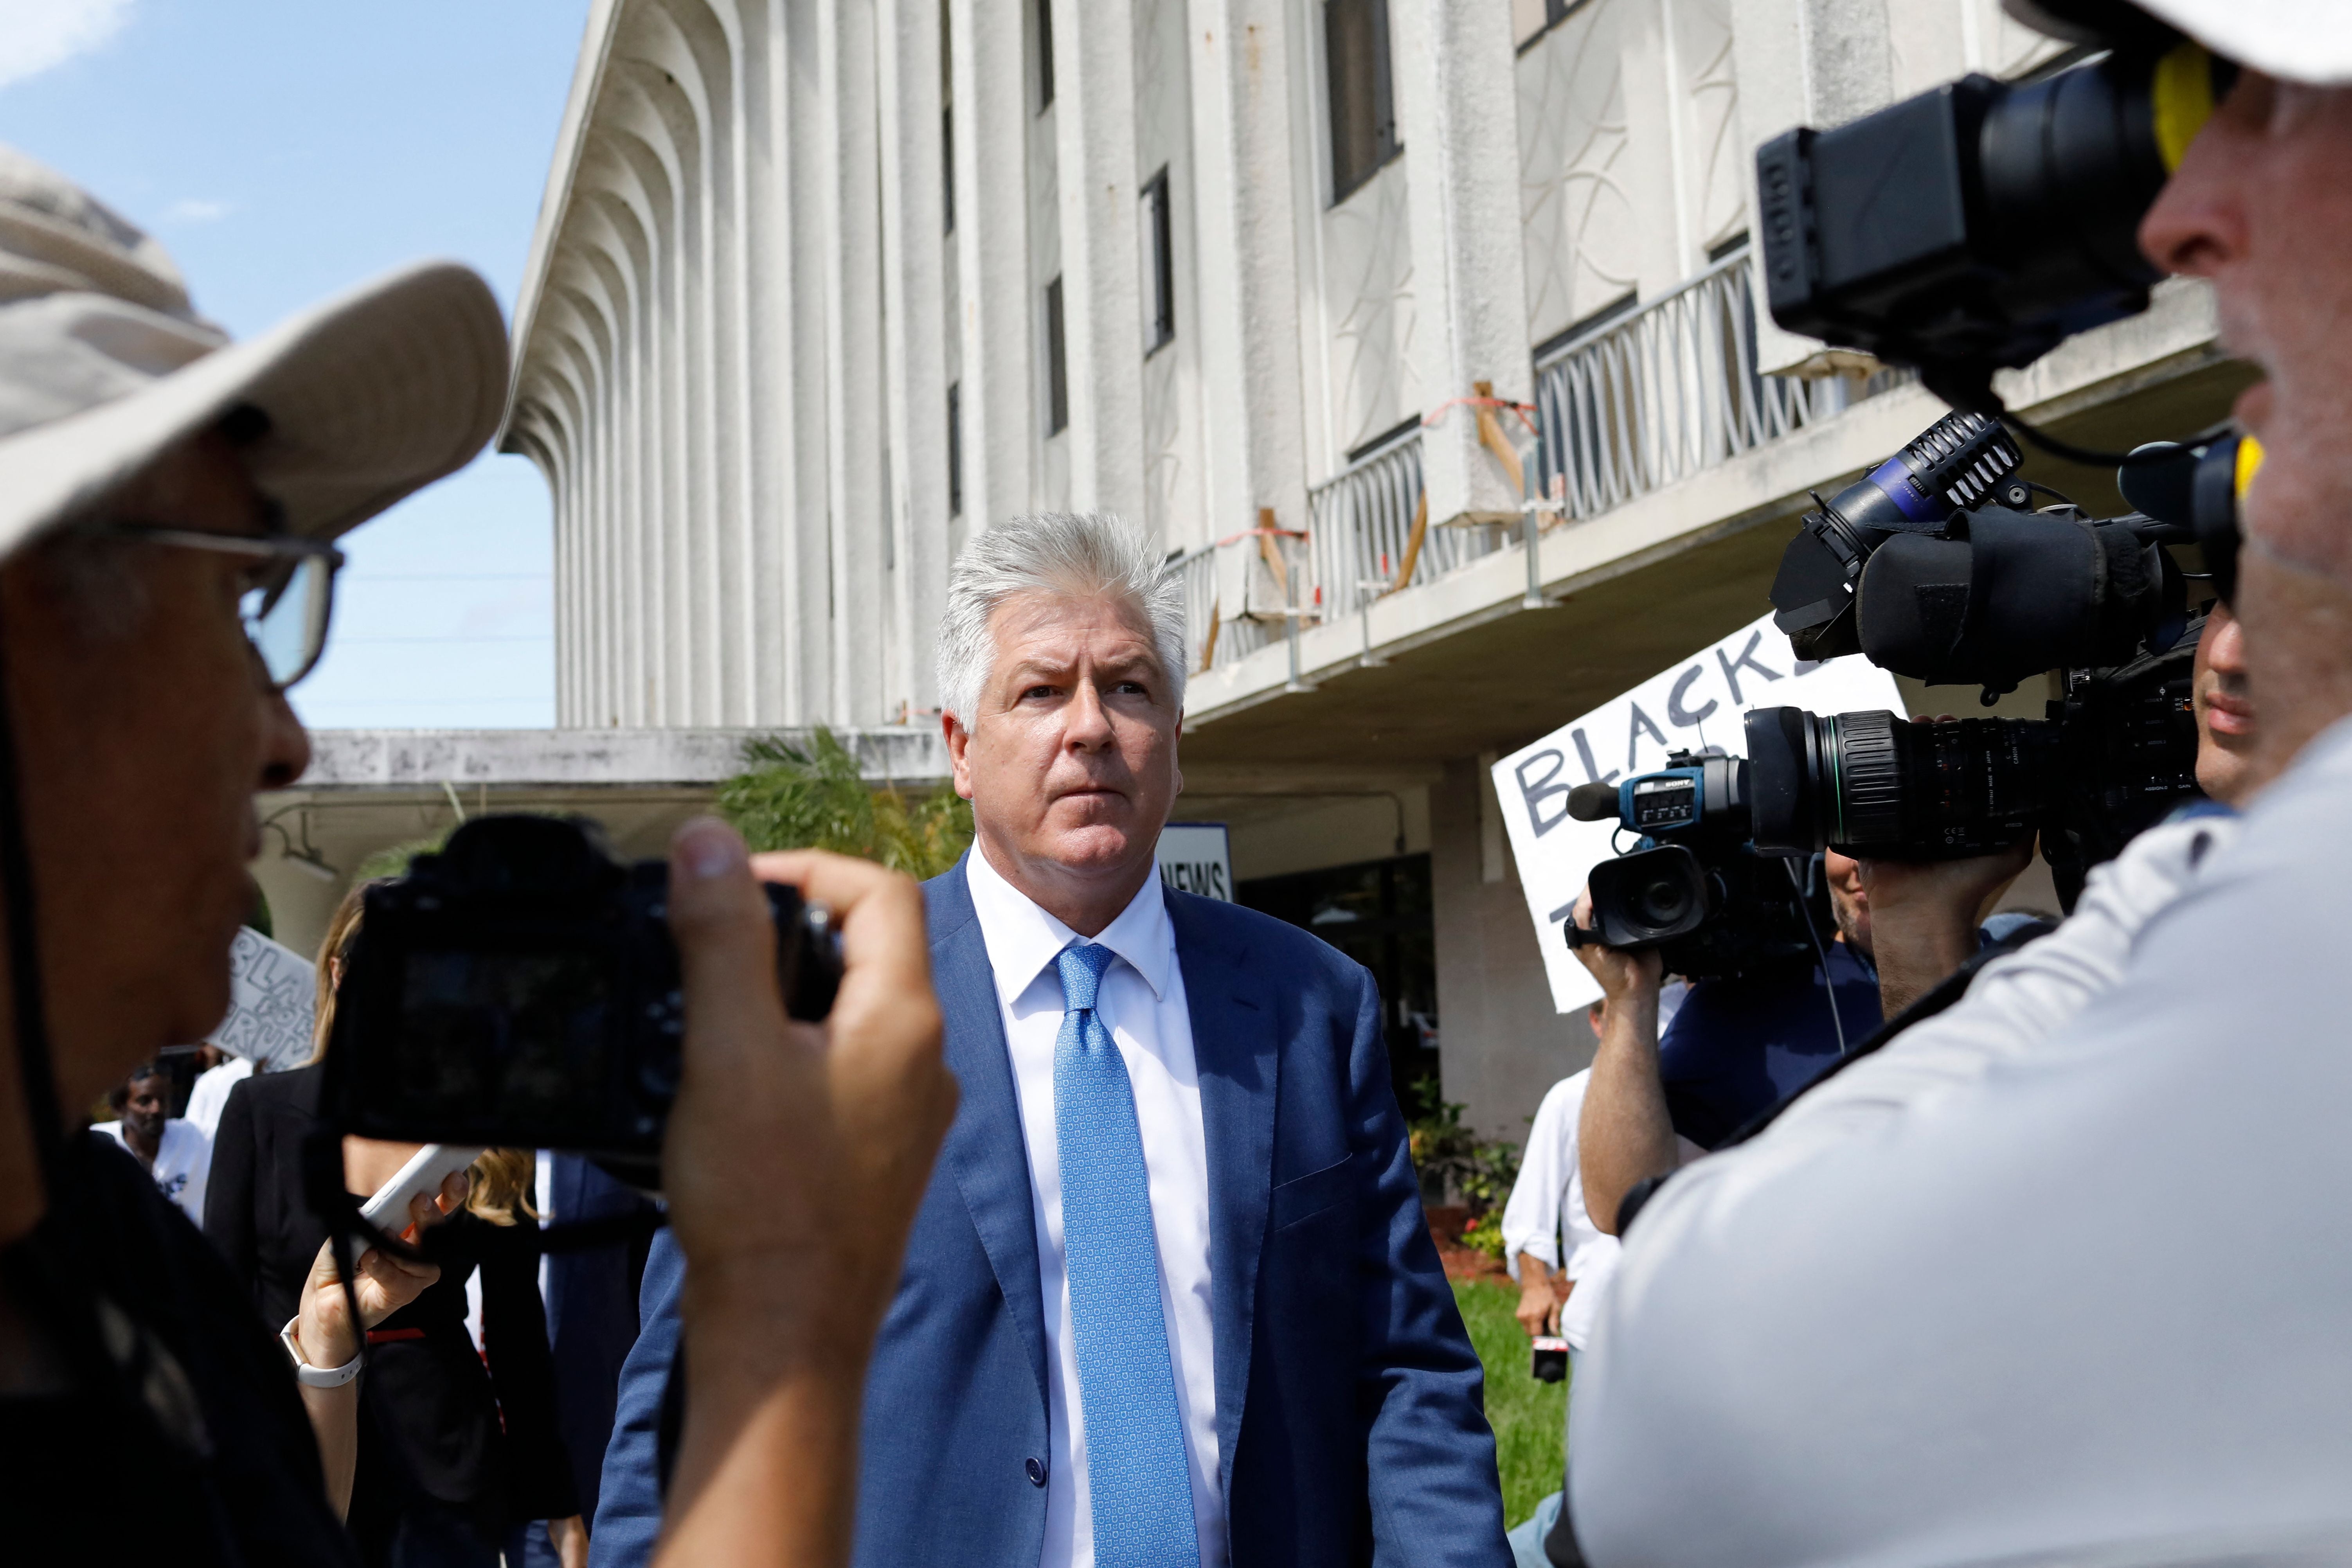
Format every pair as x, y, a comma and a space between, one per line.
311, 1376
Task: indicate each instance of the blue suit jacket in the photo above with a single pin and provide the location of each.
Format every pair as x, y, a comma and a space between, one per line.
1350, 1419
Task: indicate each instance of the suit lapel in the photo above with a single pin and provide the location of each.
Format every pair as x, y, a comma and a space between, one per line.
985, 1150
1236, 1049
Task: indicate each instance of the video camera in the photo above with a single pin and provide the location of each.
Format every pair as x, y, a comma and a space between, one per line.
520, 990
1977, 224
1930, 568
1694, 887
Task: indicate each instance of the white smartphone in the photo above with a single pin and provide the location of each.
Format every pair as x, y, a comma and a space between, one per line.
387, 1210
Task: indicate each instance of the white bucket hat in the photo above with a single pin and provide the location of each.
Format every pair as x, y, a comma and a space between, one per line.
103, 364
2294, 40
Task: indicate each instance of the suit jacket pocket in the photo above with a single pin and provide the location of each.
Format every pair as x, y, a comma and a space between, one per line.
1306, 1196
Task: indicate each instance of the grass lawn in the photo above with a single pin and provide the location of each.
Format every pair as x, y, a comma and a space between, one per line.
1527, 1414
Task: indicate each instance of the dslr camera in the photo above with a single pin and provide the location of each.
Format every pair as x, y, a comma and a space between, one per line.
521, 989
1694, 886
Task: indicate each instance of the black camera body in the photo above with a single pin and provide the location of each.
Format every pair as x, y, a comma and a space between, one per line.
2112, 757
1694, 887
1977, 224
520, 990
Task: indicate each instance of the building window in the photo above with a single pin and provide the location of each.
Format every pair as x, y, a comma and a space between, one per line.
1363, 109
1531, 19
1159, 245
1044, 55
955, 449
1057, 370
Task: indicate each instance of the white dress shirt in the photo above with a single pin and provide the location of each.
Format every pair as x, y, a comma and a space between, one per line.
1141, 1002
1546, 1212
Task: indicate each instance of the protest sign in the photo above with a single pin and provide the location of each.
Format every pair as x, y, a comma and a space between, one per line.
273, 995
1196, 857
1697, 705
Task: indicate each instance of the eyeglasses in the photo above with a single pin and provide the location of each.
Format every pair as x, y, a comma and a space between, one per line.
290, 599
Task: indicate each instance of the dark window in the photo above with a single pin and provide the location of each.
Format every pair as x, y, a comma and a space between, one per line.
1537, 17
1378, 913
1363, 109
955, 449
1057, 370
1044, 55
1160, 235
947, 163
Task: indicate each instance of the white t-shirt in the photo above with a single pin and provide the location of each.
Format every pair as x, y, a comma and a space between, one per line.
211, 1094
1546, 1211
182, 1158
2032, 1282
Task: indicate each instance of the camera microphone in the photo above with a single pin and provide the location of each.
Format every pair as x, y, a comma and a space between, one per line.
1593, 802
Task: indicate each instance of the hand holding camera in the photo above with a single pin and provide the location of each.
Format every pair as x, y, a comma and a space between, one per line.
775, 1123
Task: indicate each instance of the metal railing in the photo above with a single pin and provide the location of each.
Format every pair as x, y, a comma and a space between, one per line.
1635, 405
1655, 396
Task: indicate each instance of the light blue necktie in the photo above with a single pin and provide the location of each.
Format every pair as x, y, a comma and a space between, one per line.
1142, 1485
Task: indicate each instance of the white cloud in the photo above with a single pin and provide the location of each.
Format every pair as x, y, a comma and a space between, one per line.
38, 34
194, 210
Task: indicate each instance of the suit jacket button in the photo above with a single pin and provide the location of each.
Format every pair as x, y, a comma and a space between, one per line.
1036, 1472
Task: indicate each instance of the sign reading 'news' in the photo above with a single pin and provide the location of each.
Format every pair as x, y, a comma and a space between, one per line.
1197, 857
1698, 705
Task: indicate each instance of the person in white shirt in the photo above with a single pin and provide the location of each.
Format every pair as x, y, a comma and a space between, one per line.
175, 1152
221, 1074
1562, 1261
1937, 1313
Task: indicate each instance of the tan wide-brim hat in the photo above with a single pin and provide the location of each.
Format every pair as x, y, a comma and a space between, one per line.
104, 365
2294, 40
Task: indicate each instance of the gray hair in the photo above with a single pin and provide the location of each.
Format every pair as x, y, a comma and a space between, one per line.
1077, 553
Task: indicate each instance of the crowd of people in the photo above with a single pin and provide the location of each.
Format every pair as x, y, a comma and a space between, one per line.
1137, 1272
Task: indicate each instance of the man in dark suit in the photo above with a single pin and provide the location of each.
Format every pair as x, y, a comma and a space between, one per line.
1170, 1301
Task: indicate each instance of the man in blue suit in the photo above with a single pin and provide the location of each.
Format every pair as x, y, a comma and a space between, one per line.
1170, 1301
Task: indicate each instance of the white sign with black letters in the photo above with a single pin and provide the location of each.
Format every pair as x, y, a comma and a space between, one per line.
1197, 857
1697, 704
273, 992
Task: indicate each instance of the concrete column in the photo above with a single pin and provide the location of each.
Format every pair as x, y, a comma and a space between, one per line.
914, 247
853, 357
764, 641
1000, 419
1454, 95
1500, 1045
809, 606
1804, 62
1095, 110
1246, 215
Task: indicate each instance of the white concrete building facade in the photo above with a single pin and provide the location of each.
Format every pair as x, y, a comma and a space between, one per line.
1323, 292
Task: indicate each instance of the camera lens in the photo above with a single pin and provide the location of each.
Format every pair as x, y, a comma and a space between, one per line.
1662, 901
1874, 785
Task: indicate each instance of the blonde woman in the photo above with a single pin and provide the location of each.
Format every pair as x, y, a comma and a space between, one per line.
458, 1450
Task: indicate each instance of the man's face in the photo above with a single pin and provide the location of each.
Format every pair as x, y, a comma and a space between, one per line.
142, 743
1848, 900
2262, 207
2225, 709
1070, 763
144, 1108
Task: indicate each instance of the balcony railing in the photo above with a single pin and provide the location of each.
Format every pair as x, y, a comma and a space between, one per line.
1632, 406
1651, 398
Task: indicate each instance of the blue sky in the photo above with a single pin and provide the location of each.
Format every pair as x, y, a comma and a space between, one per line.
283, 149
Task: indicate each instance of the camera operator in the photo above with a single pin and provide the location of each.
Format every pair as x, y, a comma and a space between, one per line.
1962, 1313
166, 500
1740, 1047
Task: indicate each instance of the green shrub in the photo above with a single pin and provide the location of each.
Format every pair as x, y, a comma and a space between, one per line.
791, 797
1455, 1159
